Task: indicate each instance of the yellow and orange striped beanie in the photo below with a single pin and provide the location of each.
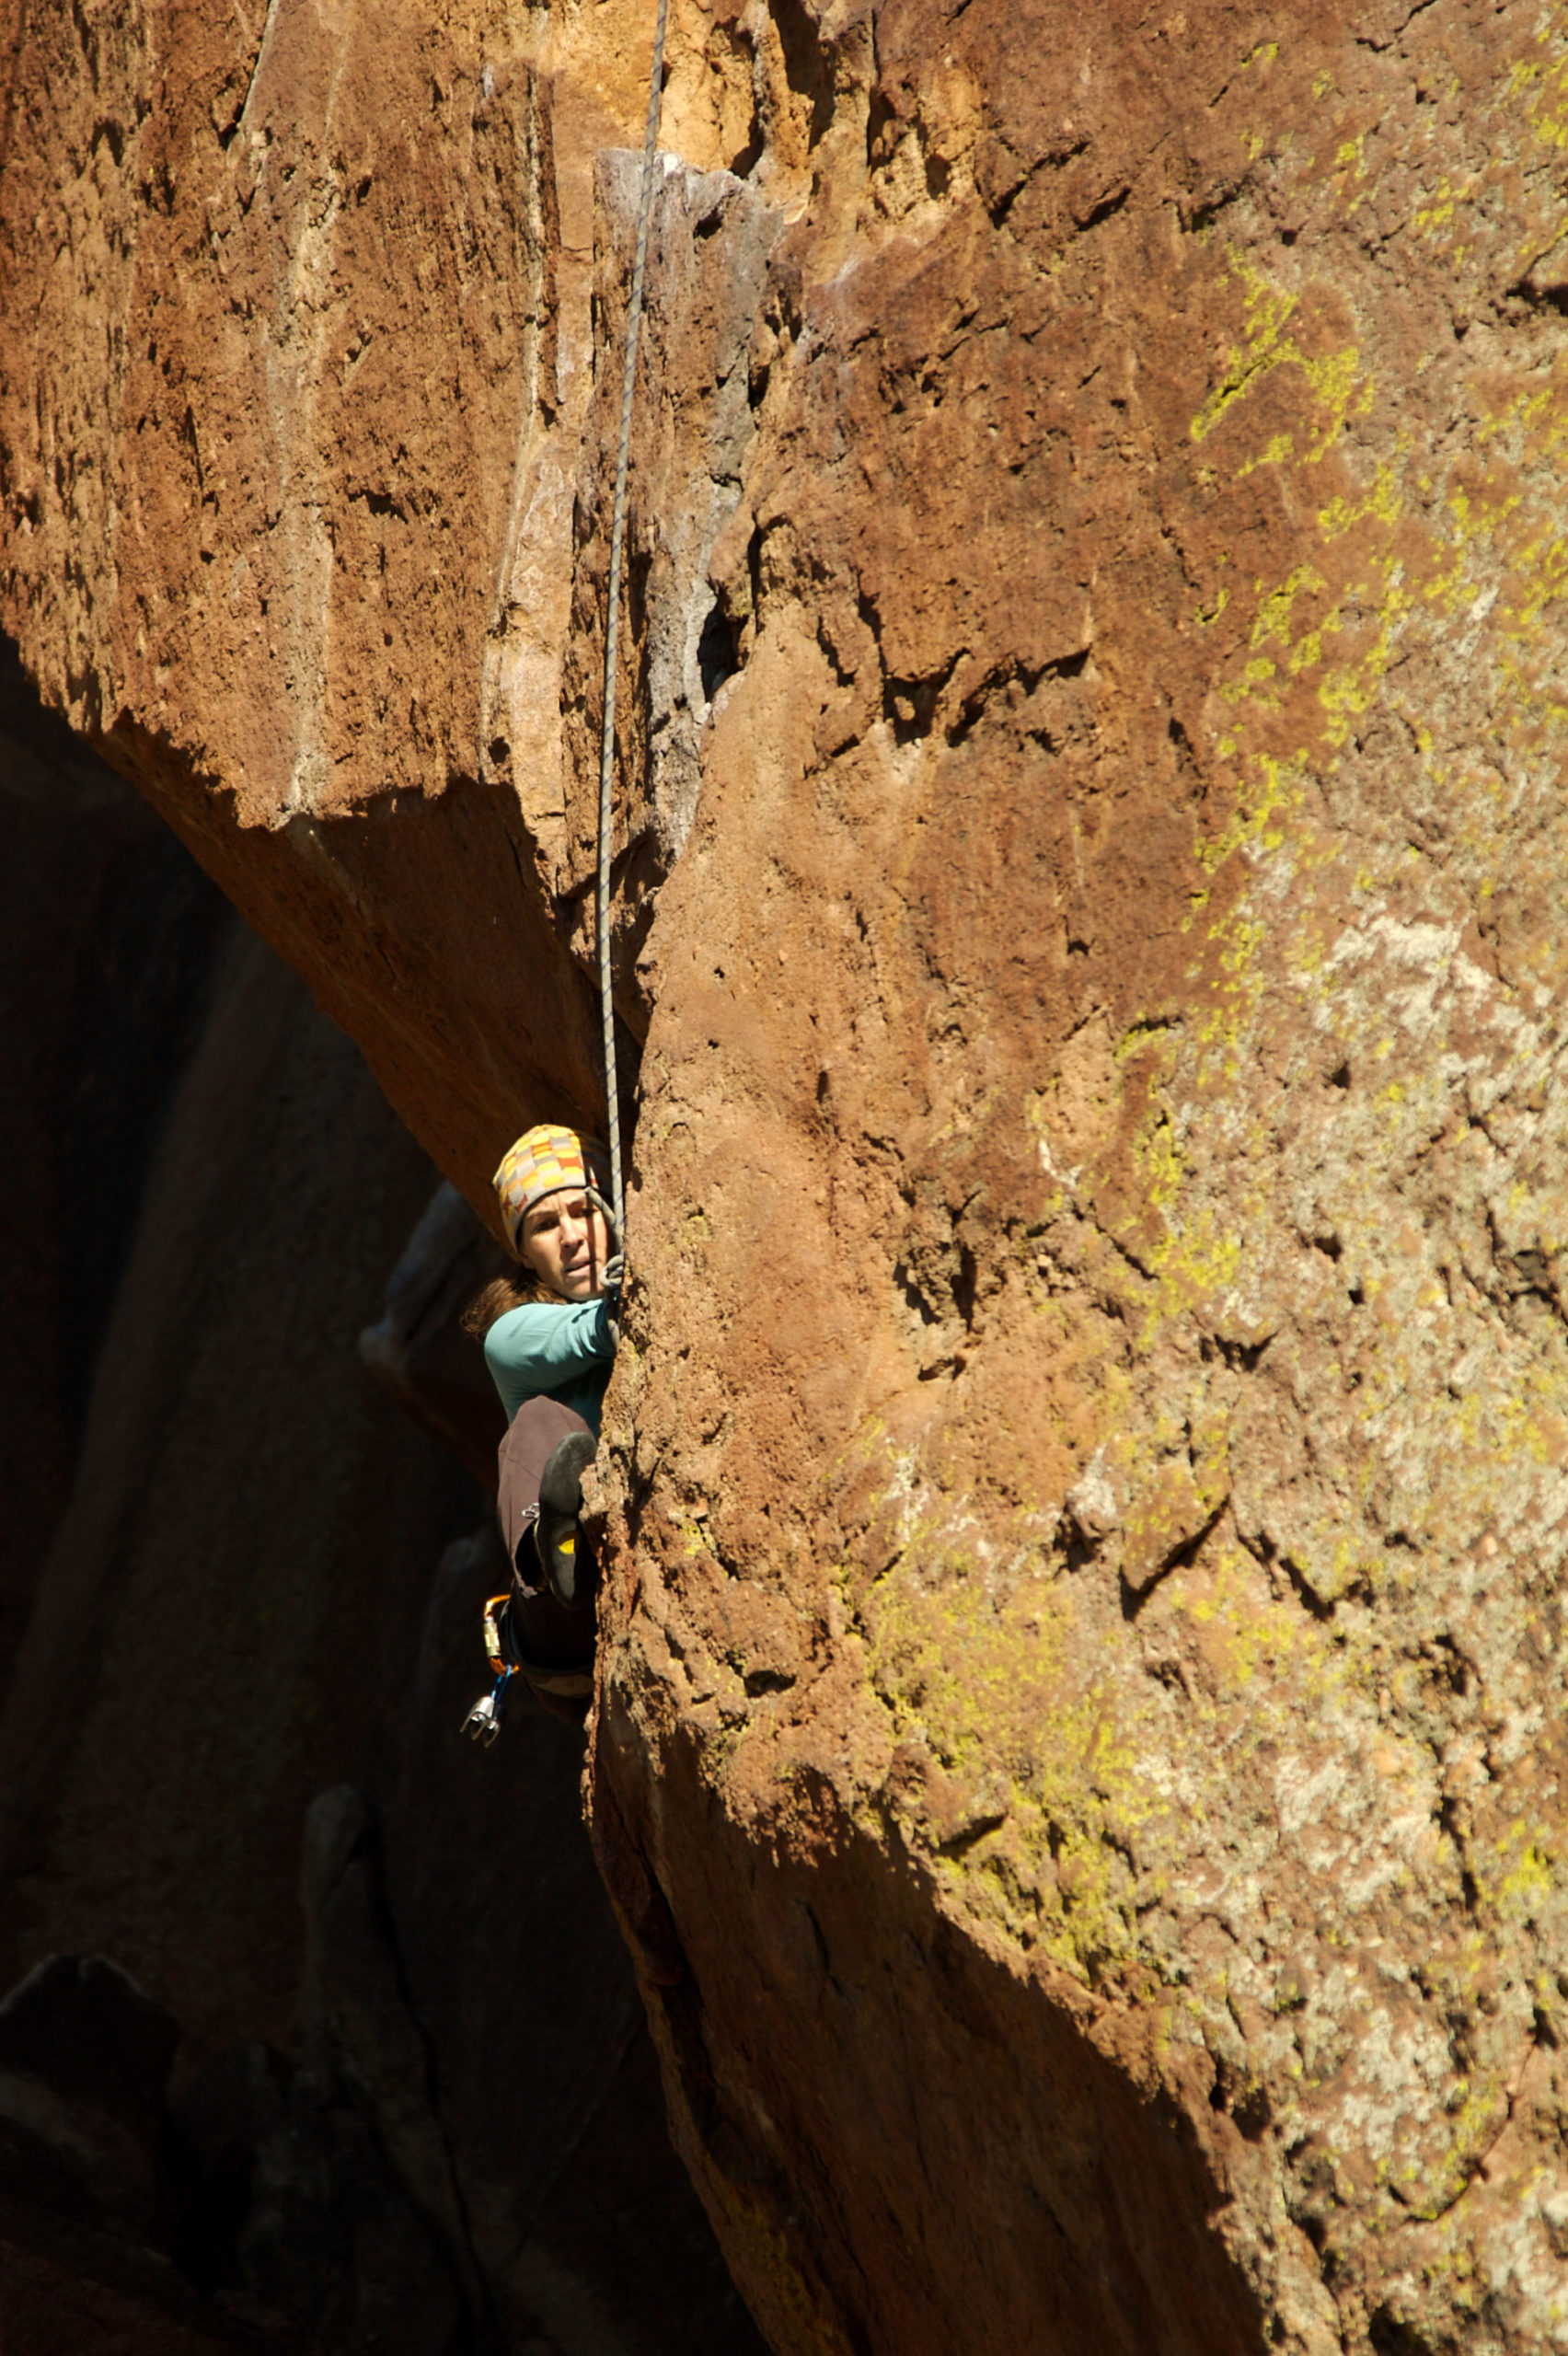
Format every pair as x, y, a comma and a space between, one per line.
543, 1160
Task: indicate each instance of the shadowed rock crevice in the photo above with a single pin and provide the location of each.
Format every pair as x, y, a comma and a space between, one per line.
110, 940
420, 2109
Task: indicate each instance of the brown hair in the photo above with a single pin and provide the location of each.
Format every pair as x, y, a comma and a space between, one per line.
518, 1286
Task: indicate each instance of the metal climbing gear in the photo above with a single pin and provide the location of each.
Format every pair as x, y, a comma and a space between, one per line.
483, 1721
612, 620
508, 1660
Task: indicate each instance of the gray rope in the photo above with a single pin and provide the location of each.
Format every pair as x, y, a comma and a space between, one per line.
612, 621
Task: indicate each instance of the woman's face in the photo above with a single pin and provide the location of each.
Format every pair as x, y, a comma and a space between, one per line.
566, 1243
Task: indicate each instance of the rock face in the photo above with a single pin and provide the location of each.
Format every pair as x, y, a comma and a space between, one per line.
1079, 1747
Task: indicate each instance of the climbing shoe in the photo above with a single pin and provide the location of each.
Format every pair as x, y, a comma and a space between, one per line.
567, 1564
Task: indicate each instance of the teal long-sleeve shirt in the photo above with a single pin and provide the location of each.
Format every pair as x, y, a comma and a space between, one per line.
565, 1350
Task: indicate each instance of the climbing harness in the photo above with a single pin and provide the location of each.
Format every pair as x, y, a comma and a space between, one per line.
483, 1721
508, 1660
612, 618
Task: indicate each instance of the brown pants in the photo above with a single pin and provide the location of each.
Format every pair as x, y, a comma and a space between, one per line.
545, 1635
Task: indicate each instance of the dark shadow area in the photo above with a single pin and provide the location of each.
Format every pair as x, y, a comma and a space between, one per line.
107, 932
320, 2034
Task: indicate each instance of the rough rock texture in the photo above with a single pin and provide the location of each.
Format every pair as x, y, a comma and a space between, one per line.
1080, 1753
228, 1585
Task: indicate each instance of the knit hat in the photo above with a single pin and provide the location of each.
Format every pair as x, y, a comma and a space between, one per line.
542, 1162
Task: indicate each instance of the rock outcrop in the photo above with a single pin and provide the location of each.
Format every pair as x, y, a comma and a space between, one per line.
1078, 1754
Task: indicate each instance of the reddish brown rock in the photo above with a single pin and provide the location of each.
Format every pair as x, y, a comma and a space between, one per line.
1078, 1751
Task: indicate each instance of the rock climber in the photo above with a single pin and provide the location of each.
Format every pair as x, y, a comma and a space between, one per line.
548, 1329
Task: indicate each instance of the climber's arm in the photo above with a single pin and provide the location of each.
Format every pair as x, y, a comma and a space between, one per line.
541, 1347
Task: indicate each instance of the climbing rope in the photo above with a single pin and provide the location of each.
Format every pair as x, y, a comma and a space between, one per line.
612, 623
507, 1659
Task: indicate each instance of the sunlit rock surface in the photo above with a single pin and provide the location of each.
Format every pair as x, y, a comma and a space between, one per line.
1079, 1742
